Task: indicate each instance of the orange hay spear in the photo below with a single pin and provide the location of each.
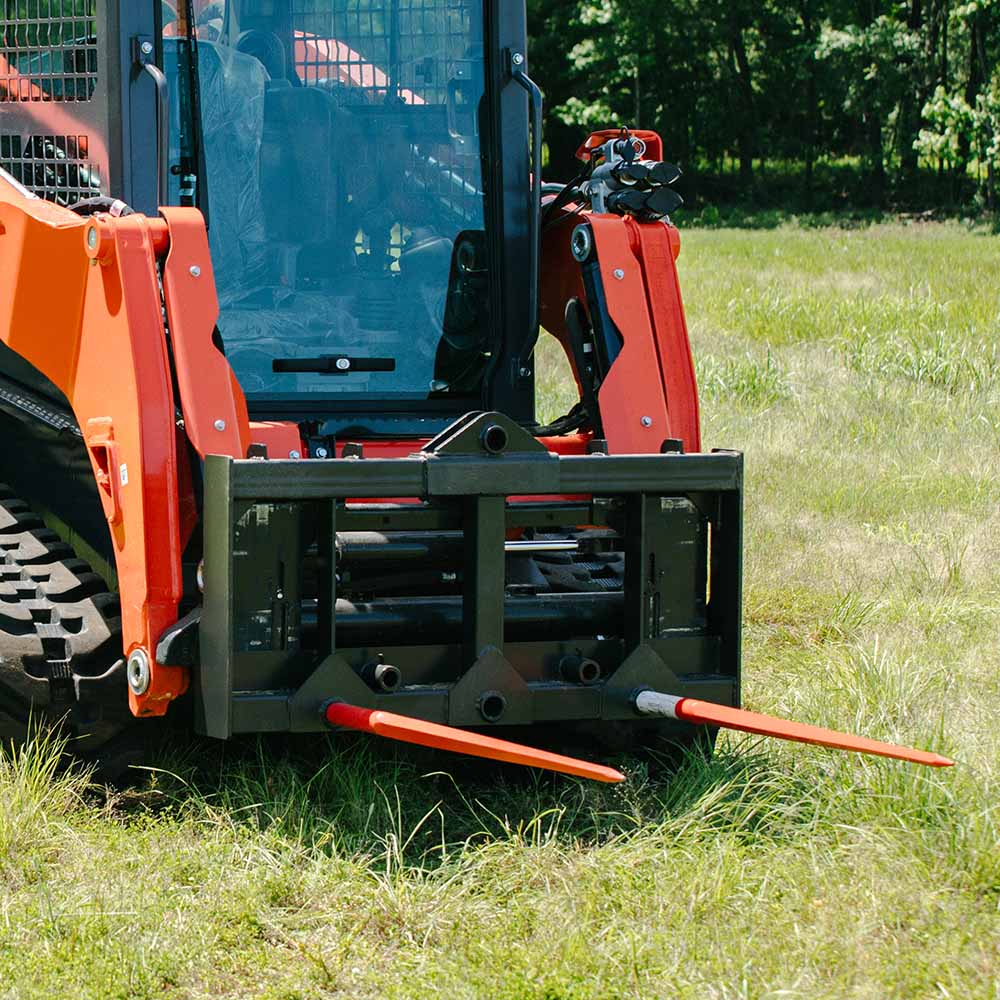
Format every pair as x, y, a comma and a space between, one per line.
691, 710
431, 734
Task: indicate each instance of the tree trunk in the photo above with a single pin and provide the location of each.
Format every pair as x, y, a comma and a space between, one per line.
876, 153
987, 71
871, 120
747, 125
812, 103
972, 83
944, 45
910, 109
637, 113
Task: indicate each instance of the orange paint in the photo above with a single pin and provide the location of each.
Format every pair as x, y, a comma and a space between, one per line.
632, 397
691, 710
430, 734
104, 346
653, 376
214, 407
659, 246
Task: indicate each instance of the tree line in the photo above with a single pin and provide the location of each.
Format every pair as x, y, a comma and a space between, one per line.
873, 102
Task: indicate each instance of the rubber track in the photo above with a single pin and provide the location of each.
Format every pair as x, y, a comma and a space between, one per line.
60, 635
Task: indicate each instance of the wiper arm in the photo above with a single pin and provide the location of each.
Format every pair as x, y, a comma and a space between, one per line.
332, 364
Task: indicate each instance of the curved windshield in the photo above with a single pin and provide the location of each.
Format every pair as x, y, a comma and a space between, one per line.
345, 193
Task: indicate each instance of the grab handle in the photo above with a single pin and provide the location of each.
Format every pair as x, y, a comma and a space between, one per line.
145, 52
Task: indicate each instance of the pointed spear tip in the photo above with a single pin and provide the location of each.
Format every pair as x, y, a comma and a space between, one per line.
938, 761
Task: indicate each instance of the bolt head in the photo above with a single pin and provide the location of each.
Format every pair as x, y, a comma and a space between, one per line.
619, 273
146, 48
517, 59
322, 453
343, 364
195, 271
524, 372
294, 454
581, 243
137, 670
646, 421
92, 237
220, 425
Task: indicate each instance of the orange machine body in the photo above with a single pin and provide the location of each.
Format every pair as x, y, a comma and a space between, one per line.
99, 338
146, 394
105, 346
102, 342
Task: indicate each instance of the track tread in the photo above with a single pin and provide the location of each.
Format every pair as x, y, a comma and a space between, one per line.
59, 628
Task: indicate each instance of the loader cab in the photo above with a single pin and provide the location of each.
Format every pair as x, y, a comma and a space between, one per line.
363, 166
364, 169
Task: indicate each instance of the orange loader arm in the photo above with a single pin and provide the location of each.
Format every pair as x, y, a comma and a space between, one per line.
80, 300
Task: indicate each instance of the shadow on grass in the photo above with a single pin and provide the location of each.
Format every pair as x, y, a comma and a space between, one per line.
351, 796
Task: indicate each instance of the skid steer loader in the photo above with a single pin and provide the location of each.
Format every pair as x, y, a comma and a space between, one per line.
272, 274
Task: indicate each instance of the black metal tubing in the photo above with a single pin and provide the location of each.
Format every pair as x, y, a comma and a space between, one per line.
138, 153
607, 475
146, 60
510, 383
409, 620
517, 62
268, 656
191, 164
607, 339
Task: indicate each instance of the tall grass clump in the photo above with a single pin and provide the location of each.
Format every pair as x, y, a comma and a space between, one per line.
942, 362
755, 383
39, 790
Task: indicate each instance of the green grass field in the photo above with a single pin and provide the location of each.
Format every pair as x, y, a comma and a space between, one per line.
859, 371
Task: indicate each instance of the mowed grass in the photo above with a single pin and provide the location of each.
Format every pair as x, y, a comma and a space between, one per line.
858, 370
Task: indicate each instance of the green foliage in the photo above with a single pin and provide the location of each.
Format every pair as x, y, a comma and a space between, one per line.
951, 128
765, 88
748, 381
958, 133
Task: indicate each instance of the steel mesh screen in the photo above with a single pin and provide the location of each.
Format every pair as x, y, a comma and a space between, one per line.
48, 50
48, 61
387, 48
396, 53
55, 167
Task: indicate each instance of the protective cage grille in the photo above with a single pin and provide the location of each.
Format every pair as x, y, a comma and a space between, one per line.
55, 167
384, 54
48, 50
398, 48
48, 90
